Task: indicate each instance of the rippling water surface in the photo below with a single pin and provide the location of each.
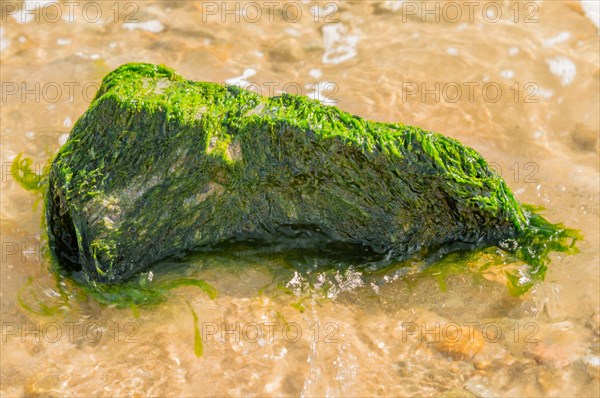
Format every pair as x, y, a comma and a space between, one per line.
517, 81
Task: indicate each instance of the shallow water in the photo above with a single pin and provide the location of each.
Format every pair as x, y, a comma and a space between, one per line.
529, 100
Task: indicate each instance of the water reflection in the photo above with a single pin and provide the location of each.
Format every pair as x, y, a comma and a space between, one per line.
382, 66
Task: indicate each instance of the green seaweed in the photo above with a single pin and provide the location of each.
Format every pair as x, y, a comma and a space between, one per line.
39, 306
299, 305
140, 291
26, 177
198, 347
160, 167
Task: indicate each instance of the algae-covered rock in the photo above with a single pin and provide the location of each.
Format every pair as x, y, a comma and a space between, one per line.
159, 166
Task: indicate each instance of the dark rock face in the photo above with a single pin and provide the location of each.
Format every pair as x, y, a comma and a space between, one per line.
159, 166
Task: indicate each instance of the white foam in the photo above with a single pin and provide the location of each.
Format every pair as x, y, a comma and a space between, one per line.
507, 73
62, 139
559, 38
544, 92
492, 13
4, 43
63, 42
392, 5
340, 44
318, 93
593, 360
315, 73
153, 25
295, 284
35, 4
591, 8
241, 80
452, 51
513, 51
293, 32
375, 288
562, 67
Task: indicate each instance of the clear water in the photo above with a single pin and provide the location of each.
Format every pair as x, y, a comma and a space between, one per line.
529, 101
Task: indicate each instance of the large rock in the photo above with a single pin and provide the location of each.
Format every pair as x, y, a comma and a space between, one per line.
159, 166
